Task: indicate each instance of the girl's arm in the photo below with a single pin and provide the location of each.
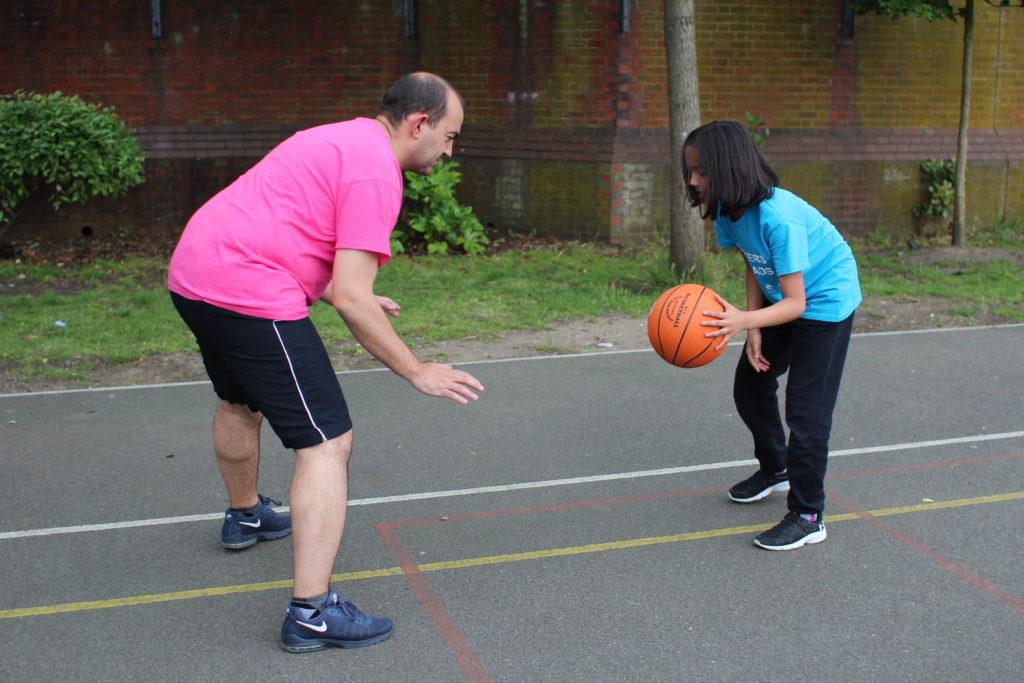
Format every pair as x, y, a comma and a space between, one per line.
755, 301
755, 297
790, 307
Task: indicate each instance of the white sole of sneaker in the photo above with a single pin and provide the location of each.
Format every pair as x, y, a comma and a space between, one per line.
809, 539
252, 540
317, 645
780, 487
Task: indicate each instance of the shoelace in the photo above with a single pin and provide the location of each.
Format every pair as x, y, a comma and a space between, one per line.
269, 501
347, 607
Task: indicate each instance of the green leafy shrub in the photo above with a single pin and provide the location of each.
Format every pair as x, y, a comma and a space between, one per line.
435, 218
76, 150
929, 10
755, 125
938, 176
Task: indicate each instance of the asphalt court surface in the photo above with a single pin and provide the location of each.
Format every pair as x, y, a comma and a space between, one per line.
570, 525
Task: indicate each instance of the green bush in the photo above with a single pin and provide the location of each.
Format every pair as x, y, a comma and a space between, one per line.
76, 150
938, 175
758, 131
435, 218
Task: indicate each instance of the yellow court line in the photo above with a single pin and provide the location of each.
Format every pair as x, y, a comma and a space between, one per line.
946, 504
183, 595
697, 535
487, 560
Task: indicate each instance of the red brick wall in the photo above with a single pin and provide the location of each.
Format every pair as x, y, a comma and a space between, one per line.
567, 116
232, 62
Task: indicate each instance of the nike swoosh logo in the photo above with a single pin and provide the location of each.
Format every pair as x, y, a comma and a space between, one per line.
319, 629
254, 525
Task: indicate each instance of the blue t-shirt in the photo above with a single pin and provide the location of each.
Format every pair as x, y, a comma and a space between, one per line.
784, 234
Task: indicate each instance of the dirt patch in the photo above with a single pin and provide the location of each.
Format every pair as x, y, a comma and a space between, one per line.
23, 286
89, 249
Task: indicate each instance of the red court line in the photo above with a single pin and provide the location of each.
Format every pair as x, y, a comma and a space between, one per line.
662, 495
464, 654
902, 469
939, 559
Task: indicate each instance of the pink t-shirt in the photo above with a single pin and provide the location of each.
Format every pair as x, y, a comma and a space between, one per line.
264, 246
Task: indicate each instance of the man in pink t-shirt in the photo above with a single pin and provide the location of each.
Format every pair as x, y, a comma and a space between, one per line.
311, 221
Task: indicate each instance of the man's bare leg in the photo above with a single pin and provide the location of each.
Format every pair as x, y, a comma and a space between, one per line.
318, 498
236, 441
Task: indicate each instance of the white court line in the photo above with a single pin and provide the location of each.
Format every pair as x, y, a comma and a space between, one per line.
571, 481
893, 333
586, 354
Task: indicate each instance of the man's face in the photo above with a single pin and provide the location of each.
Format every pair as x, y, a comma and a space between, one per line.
437, 141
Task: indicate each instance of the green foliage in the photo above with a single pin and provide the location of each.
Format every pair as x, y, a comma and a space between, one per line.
1003, 231
77, 150
879, 237
985, 286
758, 131
656, 272
117, 311
436, 217
719, 270
938, 175
929, 10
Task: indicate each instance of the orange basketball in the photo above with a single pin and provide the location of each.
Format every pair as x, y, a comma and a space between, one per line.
675, 330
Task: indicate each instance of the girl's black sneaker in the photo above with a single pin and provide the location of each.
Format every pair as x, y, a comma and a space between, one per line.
791, 533
758, 486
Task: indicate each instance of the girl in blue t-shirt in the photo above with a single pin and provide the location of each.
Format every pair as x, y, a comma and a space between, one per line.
802, 290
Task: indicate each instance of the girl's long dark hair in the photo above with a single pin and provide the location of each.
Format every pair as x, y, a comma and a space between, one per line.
738, 176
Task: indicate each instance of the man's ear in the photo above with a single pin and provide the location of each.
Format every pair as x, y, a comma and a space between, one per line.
416, 123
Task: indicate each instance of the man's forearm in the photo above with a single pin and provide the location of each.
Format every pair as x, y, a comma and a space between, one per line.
371, 328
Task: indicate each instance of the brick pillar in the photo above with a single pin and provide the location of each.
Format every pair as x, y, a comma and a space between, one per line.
620, 81
632, 180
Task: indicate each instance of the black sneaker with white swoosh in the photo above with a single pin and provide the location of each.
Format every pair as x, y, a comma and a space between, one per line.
336, 623
244, 529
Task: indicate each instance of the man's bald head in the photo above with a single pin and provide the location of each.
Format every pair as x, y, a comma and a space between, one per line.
418, 92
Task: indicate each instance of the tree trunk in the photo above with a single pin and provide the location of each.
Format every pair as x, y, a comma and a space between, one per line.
960, 181
686, 243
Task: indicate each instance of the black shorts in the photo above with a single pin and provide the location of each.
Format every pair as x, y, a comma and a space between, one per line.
278, 367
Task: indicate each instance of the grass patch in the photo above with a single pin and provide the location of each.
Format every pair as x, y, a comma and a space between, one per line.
106, 311
60, 322
988, 283
458, 297
1002, 232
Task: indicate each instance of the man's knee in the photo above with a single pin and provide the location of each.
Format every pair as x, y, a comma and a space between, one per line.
240, 411
338, 448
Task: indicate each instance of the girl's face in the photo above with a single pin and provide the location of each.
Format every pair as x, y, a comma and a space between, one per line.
698, 181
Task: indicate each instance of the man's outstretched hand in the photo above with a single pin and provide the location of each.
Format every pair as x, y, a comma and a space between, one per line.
435, 379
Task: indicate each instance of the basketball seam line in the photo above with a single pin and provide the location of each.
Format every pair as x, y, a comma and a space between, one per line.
682, 335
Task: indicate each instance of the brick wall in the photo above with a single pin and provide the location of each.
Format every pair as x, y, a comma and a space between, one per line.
566, 128
221, 63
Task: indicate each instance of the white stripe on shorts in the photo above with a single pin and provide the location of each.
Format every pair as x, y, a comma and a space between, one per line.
296, 380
